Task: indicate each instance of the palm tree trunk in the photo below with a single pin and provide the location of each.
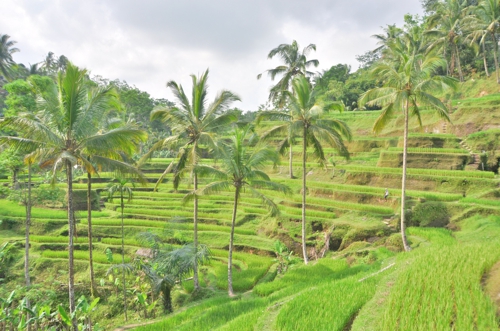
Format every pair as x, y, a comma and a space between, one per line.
123, 260
290, 158
27, 241
71, 230
452, 63
459, 66
89, 222
495, 56
14, 179
403, 181
304, 157
231, 241
484, 60
195, 234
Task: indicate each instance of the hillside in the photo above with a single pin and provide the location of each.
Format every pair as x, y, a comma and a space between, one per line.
358, 279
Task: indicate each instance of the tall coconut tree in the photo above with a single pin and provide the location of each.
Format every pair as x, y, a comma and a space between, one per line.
409, 86
479, 39
307, 119
240, 170
295, 63
391, 32
194, 125
124, 188
485, 23
447, 30
65, 131
96, 162
6, 51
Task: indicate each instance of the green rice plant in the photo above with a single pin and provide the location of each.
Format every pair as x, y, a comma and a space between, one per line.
479, 229
11, 208
248, 269
429, 150
217, 239
484, 202
57, 239
118, 241
80, 255
209, 315
441, 289
243, 322
129, 222
434, 196
301, 277
425, 172
436, 236
351, 206
433, 135
328, 307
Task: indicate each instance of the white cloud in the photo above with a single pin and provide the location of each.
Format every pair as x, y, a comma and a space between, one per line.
150, 42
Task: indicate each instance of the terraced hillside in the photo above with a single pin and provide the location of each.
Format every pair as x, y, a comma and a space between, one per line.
360, 282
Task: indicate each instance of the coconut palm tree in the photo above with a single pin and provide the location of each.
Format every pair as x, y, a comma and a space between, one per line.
295, 63
241, 166
409, 86
66, 131
94, 162
124, 188
446, 30
480, 37
307, 119
391, 32
484, 23
6, 51
194, 126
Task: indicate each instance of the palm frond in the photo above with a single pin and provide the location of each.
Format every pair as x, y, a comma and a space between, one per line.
268, 203
215, 187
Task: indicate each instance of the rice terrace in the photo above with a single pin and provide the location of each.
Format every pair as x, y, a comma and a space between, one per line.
350, 200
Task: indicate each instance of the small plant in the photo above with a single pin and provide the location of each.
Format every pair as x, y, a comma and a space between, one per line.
284, 257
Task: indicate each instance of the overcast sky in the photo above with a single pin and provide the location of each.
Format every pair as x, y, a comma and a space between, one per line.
150, 42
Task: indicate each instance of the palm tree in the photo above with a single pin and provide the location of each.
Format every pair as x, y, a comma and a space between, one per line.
307, 118
6, 51
446, 31
240, 170
66, 131
295, 63
194, 125
480, 37
94, 162
168, 267
409, 85
122, 186
485, 22
392, 32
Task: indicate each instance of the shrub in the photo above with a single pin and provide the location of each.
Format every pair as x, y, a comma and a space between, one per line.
434, 214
